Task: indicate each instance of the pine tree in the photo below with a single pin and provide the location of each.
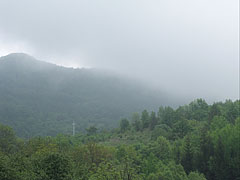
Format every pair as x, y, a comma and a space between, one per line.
153, 120
206, 151
187, 156
145, 119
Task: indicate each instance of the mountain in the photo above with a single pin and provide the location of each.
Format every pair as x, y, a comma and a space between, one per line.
39, 98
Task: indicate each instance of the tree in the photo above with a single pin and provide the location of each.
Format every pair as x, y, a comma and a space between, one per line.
55, 166
92, 130
149, 164
232, 110
176, 149
181, 128
153, 120
218, 122
205, 152
127, 156
161, 130
6, 171
183, 112
8, 140
161, 148
187, 160
22, 167
196, 176
88, 157
170, 171
225, 162
199, 110
219, 161
136, 123
145, 119
214, 111
167, 116
124, 125
105, 170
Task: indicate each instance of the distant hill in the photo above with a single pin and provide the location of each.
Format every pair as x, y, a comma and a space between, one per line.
39, 98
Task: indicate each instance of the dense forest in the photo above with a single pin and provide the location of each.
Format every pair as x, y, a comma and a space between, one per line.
39, 98
192, 142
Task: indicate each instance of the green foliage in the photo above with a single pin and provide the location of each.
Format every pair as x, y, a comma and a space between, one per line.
218, 122
187, 159
214, 111
6, 171
92, 130
124, 125
52, 166
136, 122
161, 130
161, 148
8, 141
225, 162
150, 164
23, 167
205, 152
167, 116
181, 128
171, 171
153, 120
105, 170
199, 110
178, 146
231, 110
145, 119
196, 176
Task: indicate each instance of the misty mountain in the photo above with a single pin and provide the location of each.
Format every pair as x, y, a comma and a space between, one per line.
39, 98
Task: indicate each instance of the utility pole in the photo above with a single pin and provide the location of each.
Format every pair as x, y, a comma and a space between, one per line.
73, 130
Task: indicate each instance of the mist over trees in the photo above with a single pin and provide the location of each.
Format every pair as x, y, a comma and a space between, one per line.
119, 90
38, 98
119, 132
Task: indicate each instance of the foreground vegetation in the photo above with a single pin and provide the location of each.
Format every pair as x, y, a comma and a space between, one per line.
194, 142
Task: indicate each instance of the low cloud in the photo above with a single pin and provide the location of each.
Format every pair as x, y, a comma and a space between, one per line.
187, 47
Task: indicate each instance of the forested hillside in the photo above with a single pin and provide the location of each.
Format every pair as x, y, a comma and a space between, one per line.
38, 98
193, 142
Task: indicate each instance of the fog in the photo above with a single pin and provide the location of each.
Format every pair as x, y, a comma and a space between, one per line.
189, 47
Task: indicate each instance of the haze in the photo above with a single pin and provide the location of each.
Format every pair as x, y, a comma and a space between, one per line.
188, 47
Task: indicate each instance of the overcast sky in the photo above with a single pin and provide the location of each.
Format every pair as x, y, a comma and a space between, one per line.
186, 46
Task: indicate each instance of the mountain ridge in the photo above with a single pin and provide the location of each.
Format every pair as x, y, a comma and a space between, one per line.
37, 94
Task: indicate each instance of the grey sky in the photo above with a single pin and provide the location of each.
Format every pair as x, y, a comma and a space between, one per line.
190, 46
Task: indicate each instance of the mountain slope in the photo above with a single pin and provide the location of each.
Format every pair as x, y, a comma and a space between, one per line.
39, 98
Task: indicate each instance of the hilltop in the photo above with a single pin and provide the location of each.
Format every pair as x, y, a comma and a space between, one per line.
40, 98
